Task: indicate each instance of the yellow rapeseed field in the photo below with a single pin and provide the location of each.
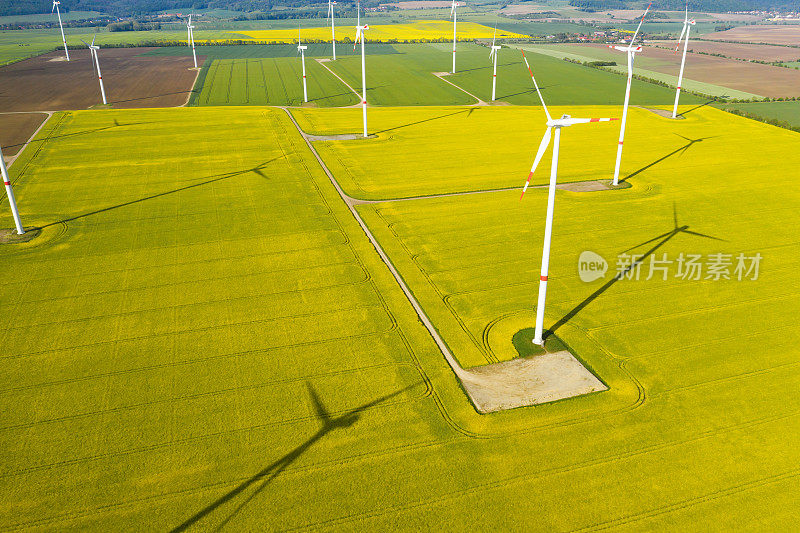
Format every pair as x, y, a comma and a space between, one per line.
423, 29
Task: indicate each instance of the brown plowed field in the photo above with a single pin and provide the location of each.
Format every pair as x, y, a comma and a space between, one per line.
49, 83
788, 34
759, 52
755, 78
16, 129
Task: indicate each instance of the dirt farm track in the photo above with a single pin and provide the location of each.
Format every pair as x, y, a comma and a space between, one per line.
17, 129
48, 83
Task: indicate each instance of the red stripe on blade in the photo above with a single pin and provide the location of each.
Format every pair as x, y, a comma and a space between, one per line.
543, 278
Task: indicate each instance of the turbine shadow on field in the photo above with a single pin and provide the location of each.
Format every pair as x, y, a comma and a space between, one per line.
681, 149
75, 134
695, 108
661, 241
218, 177
150, 97
467, 111
269, 473
528, 91
489, 67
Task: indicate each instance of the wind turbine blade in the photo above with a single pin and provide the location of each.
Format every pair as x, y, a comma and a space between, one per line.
494, 37
54, 8
546, 112
640, 23
93, 39
539, 154
683, 31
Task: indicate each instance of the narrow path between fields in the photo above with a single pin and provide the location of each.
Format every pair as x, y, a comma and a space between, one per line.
520, 382
441, 76
350, 205
10, 159
322, 62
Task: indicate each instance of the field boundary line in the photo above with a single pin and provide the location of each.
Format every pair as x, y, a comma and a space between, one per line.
191, 91
378, 248
303, 133
478, 100
10, 160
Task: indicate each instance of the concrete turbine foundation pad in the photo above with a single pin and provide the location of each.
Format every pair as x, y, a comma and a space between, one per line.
528, 381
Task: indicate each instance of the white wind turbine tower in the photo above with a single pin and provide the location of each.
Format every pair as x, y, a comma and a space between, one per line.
687, 25
360, 34
552, 124
493, 55
302, 49
190, 36
331, 3
96, 66
631, 51
56, 3
453, 14
10, 193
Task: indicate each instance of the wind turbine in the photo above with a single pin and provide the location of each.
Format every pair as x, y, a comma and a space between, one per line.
493, 55
453, 14
331, 3
631, 51
687, 25
360, 34
56, 3
302, 49
552, 124
96, 65
190, 36
10, 193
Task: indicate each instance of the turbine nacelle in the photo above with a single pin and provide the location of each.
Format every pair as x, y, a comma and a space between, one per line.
567, 120
302, 47
629, 48
360, 31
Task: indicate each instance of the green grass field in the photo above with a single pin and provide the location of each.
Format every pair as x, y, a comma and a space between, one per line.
788, 112
561, 82
269, 81
249, 51
168, 332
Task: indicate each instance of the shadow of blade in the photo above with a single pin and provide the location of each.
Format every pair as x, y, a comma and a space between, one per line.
607, 285
695, 108
77, 133
219, 177
663, 238
467, 111
661, 159
269, 473
150, 97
